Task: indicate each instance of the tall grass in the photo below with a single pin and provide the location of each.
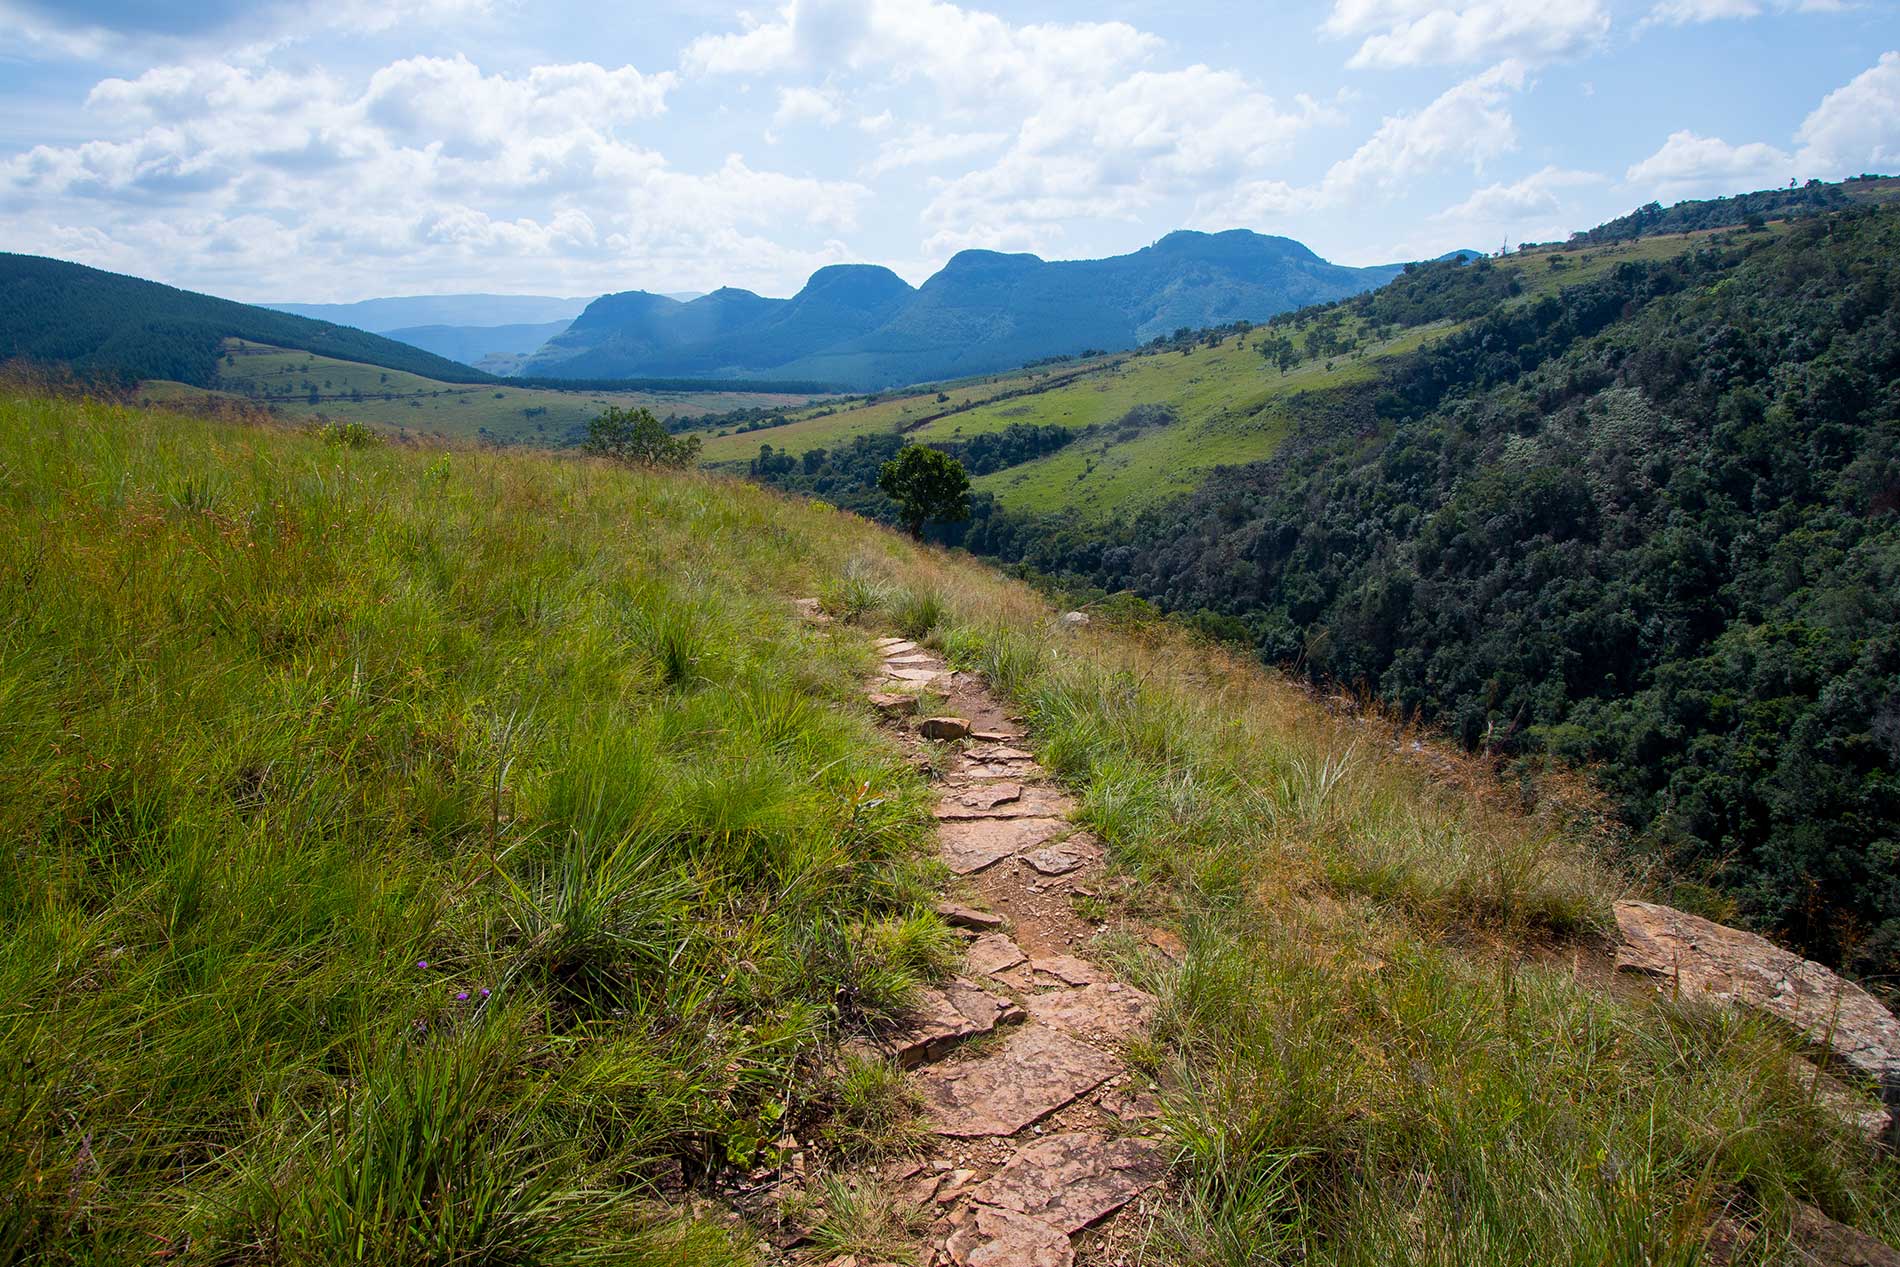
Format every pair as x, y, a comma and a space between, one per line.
301, 743
417, 857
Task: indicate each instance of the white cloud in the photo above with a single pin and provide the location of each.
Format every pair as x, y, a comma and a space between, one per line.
967, 54
922, 146
1540, 194
1688, 165
1425, 32
431, 168
1469, 123
1693, 12
1113, 150
1857, 126
803, 105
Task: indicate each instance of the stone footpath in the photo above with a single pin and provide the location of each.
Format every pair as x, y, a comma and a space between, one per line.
1043, 1137
1040, 1128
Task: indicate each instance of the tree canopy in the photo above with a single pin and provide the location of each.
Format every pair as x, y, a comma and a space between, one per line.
636, 437
927, 484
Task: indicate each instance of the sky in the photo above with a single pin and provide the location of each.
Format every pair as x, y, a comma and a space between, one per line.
265, 150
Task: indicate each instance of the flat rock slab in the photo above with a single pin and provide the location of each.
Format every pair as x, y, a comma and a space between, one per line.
971, 771
1068, 969
1104, 1010
988, 796
1055, 860
1824, 1241
1033, 802
1706, 960
910, 661
961, 916
915, 675
893, 704
999, 752
994, 736
1003, 1238
1069, 1181
993, 953
970, 846
1037, 1072
942, 1017
895, 646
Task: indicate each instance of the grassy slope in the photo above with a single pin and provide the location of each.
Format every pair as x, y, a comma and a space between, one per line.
1231, 406
822, 426
423, 406
283, 720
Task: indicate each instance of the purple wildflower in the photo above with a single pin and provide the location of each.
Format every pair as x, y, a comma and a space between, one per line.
484, 992
461, 996
422, 963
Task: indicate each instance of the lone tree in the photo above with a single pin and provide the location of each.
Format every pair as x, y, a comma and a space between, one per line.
926, 484
636, 437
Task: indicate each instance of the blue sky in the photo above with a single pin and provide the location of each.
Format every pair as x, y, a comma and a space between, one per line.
373, 147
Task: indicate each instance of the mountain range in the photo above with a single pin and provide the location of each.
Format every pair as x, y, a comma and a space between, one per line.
862, 326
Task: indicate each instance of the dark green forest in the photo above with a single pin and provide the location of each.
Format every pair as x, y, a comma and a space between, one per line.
109, 327
1649, 525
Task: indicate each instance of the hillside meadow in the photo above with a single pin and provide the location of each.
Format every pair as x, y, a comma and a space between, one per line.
419, 855
307, 387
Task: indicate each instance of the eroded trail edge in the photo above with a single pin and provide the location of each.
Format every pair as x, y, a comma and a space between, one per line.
1041, 1131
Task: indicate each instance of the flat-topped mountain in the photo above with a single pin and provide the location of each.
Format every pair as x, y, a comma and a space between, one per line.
863, 326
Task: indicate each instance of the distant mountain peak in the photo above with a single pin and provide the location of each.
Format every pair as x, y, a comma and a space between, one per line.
863, 326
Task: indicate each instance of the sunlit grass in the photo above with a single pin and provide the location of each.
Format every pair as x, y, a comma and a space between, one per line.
422, 857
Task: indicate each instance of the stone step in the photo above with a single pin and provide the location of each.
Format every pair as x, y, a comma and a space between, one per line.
942, 1017
969, 846
1070, 1180
1039, 1069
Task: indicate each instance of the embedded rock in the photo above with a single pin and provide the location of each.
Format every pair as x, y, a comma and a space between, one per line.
1832, 1244
968, 771
1054, 860
1701, 959
999, 752
961, 916
943, 728
1106, 1009
970, 846
892, 704
1069, 1181
1033, 802
942, 1017
993, 953
1004, 1238
1068, 969
1037, 1072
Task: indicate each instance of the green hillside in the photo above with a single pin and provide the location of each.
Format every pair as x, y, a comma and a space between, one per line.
1640, 518
420, 857
1625, 504
303, 385
109, 326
